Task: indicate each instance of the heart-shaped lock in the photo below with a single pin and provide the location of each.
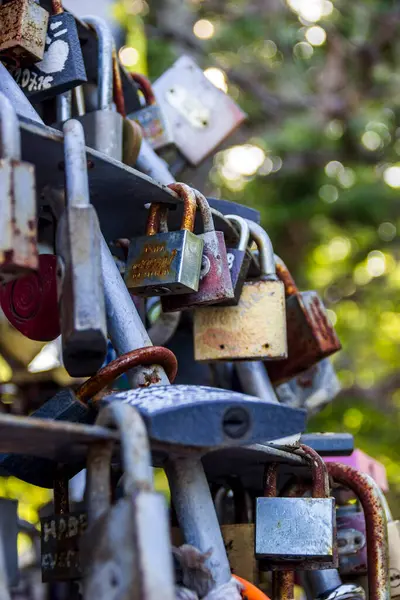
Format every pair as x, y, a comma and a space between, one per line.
31, 304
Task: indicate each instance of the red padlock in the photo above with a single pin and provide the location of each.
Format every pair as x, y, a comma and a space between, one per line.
31, 303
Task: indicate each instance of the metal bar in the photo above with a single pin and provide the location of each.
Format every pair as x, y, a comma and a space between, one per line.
76, 177
254, 380
64, 106
367, 492
196, 514
283, 585
152, 165
20, 102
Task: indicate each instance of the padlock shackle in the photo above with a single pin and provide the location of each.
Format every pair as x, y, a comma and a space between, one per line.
61, 492
187, 194
156, 219
367, 492
244, 230
10, 138
136, 358
56, 7
205, 211
105, 43
135, 453
118, 92
76, 177
266, 251
145, 87
320, 479
285, 276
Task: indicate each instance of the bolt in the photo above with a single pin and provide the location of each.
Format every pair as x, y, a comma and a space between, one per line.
236, 423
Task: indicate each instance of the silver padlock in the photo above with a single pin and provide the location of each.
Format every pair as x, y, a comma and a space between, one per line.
297, 531
126, 550
18, 227
82, 308
104, 126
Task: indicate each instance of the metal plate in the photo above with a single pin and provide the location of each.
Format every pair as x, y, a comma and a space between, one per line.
330, 444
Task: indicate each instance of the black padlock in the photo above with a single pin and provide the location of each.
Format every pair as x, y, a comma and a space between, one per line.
239, 259
62, 67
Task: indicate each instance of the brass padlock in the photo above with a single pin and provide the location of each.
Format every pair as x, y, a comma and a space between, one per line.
254, 329
23, 26
168, 262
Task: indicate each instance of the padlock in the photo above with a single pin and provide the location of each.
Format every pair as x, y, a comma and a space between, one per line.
169, 262
238, 258
23, 26
82, 308
201, 115
366, 464
351, 539
254, 329
78, 408
313, 389
311, 336
62, 66
60, 536
215, 280
296, 531
126, 550
103, 127
30, 303
18, 228
155, 127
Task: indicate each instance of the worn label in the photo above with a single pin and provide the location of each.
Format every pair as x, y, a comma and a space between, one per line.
154, 261
60, 536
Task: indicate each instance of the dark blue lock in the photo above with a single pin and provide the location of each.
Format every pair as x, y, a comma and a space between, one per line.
62, 67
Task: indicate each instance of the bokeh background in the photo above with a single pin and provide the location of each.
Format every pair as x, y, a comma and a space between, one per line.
319, 157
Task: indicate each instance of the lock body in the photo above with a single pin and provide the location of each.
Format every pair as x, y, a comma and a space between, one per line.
352, 542
62, 66
23, 26
165, 263
30, 303
239, 263
215, 281
154, 125
254, 329
294, 529
311, 336
83, 324
103, 132
18, 229
59, 540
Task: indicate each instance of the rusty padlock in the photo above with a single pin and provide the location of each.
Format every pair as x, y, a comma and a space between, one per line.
215, 280
23, 26
30, 303
311, 336
297, 532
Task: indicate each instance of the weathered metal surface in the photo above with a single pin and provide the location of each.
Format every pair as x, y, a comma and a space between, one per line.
239, 258
312, 389
82, 308
207, 417
283, 585
18, 231
215, 283
311, 336
254, 380
23, 25
327, 585
126, 550
330, 444
31, 303
201, 116
376, 526
162, 263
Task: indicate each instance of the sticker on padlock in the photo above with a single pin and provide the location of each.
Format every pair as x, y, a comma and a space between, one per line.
62, 66
155, 126
60, 537
18, 228
238, 258
104, 126
311, 336
256, 327
126, 551
201, 115
166, 262
23, 26
82, 307
215, 284
30, 303
297, 531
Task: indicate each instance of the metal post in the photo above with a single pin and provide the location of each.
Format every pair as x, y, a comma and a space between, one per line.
254, 380
189, 488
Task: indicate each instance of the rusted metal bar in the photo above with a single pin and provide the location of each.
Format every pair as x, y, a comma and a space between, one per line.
375, 519
283, 585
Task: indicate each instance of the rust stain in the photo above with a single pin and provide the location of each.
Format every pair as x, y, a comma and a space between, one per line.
285, 276
186, 194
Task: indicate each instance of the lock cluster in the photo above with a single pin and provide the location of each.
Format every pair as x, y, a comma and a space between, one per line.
180, 340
